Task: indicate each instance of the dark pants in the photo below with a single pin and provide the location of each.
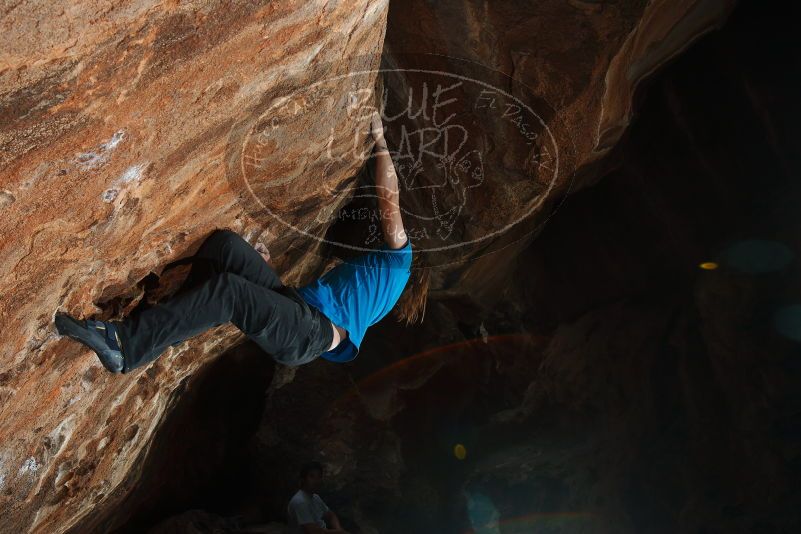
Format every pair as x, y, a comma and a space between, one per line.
229, 282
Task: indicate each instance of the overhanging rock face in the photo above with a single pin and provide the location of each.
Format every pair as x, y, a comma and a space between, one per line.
565, 72
129, 132
119, 124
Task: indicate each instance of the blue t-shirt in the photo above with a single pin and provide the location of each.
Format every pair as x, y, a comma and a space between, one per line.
359, 292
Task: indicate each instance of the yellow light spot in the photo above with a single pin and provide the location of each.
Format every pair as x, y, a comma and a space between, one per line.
709, 266
459, 451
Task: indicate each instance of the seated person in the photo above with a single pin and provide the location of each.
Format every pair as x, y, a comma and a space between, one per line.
306, 512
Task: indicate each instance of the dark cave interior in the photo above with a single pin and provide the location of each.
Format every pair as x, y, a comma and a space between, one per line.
624, 388
196, 458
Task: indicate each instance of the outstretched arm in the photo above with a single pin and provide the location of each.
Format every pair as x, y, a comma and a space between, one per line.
386, 183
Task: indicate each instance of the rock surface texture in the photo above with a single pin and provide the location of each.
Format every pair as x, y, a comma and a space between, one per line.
619, 387
130, 130
119, 120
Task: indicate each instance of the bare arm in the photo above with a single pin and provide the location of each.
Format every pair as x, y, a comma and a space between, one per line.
386, 183
304, 516
332, 520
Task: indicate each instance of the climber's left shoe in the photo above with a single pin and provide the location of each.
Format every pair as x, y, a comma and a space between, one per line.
100, 336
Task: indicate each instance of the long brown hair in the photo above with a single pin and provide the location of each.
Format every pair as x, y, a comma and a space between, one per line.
411, 306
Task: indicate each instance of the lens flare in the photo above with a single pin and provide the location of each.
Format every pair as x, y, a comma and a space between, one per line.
485, 518
756, 256
430, 360
787, 321
708, 266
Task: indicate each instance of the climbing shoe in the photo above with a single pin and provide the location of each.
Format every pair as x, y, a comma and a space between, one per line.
100, 336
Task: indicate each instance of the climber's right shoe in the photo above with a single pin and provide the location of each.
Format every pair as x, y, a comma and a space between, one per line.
99, 336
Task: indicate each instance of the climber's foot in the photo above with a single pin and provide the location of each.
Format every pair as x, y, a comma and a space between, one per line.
100, 336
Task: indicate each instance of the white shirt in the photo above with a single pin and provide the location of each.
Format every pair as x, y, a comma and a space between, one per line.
303, 509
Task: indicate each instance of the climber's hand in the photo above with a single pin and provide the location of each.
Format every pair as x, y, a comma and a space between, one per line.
377, 128
264, 251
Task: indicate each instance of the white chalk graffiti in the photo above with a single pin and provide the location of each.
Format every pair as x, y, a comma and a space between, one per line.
29, 466
97, 158
132, 175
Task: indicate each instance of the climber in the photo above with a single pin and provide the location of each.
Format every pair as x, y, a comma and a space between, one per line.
231, 281
306, 511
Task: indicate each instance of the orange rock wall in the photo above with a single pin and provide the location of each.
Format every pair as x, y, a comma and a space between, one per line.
118, 120
122, 133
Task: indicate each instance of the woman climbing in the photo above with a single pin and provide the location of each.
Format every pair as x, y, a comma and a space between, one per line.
230, 281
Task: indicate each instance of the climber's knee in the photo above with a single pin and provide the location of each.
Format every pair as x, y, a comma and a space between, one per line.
214, 244
218, 238
231, 239
224, 233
